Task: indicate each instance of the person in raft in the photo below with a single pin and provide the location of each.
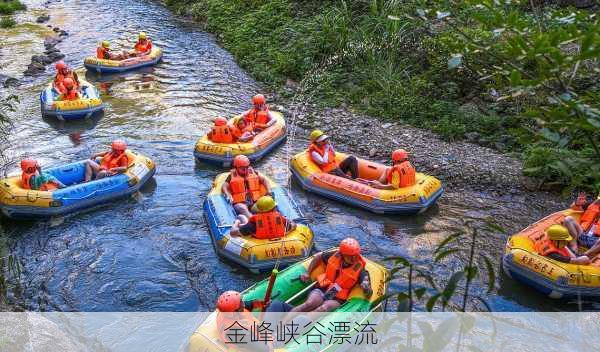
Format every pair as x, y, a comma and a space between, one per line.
555, 246
113, 162
143, 45
259, 115
33, 178
344, 269
321, 152
586, 232
221, 132
244, 186
63, 72
70, 92
401, 174
104, 52
266, 223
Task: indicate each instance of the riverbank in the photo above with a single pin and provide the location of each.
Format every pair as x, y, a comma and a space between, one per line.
372, 58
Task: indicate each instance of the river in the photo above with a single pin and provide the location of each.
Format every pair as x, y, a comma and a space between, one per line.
152, 252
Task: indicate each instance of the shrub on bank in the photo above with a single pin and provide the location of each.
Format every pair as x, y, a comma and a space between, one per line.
7, 22
8, 7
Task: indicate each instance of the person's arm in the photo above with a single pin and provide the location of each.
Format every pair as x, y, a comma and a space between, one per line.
318, 259
97, 155
318, 159
248, 229
582, 260
272, 119
226, 190
235, 229
264, 181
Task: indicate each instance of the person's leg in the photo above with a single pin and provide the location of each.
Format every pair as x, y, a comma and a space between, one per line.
314, 300
592, 252
328, 306
102, 174
91, 168
574, 230
338, 172
350, 164
242, 209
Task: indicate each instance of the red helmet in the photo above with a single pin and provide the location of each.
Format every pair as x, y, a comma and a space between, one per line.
60, 65
241, 161
28, 164
220, 121
349, 246
399, 155
258, 99
118, 145
229, 301
68, 83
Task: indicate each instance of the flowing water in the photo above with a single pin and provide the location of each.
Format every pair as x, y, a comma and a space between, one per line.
153, 252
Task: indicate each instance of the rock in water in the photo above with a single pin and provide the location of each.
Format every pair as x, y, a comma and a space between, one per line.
42, 19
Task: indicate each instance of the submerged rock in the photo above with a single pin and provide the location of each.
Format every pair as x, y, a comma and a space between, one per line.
42, 19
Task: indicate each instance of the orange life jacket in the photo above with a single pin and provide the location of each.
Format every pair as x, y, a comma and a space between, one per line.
262, 119
109, 161
228, 322
345, 278
258, 120
143, 47
70, 95
269, 225
546, 247
401, 175
59, 79
590, 217
245, 187
331, 164
102, 53
221, 134
26, 178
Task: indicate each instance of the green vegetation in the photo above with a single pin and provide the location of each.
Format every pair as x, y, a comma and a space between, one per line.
8, 7
511, 76
7, 22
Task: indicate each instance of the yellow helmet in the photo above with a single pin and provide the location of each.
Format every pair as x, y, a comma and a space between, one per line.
558, 233
143, 35
105, 43
318, 136
264, 204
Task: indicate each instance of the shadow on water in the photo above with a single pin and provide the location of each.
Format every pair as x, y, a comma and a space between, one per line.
152, 252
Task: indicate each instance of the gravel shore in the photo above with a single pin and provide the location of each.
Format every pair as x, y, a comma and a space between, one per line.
460, 165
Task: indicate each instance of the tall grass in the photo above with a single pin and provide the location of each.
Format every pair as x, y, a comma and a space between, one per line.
8, 7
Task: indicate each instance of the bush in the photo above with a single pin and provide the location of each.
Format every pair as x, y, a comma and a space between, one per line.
7, 22
11, 6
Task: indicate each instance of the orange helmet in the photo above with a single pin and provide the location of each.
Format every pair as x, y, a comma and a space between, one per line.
258, 99
118, 145
229, 301
241, 161
349, 246
28, 164
399, 155
68, 83
220, 121
60, 65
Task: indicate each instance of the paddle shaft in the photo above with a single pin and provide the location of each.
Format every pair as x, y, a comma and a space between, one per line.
267, 299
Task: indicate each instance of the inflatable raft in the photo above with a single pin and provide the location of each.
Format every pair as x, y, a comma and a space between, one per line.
92, 63
256, 254
552, 278
19, 203
293, 291
89, 103
255, 149
406, 200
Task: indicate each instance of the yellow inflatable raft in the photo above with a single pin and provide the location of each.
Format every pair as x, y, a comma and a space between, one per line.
262, 144
256, 254
553, 278
406, 200
95, 64
289, 289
